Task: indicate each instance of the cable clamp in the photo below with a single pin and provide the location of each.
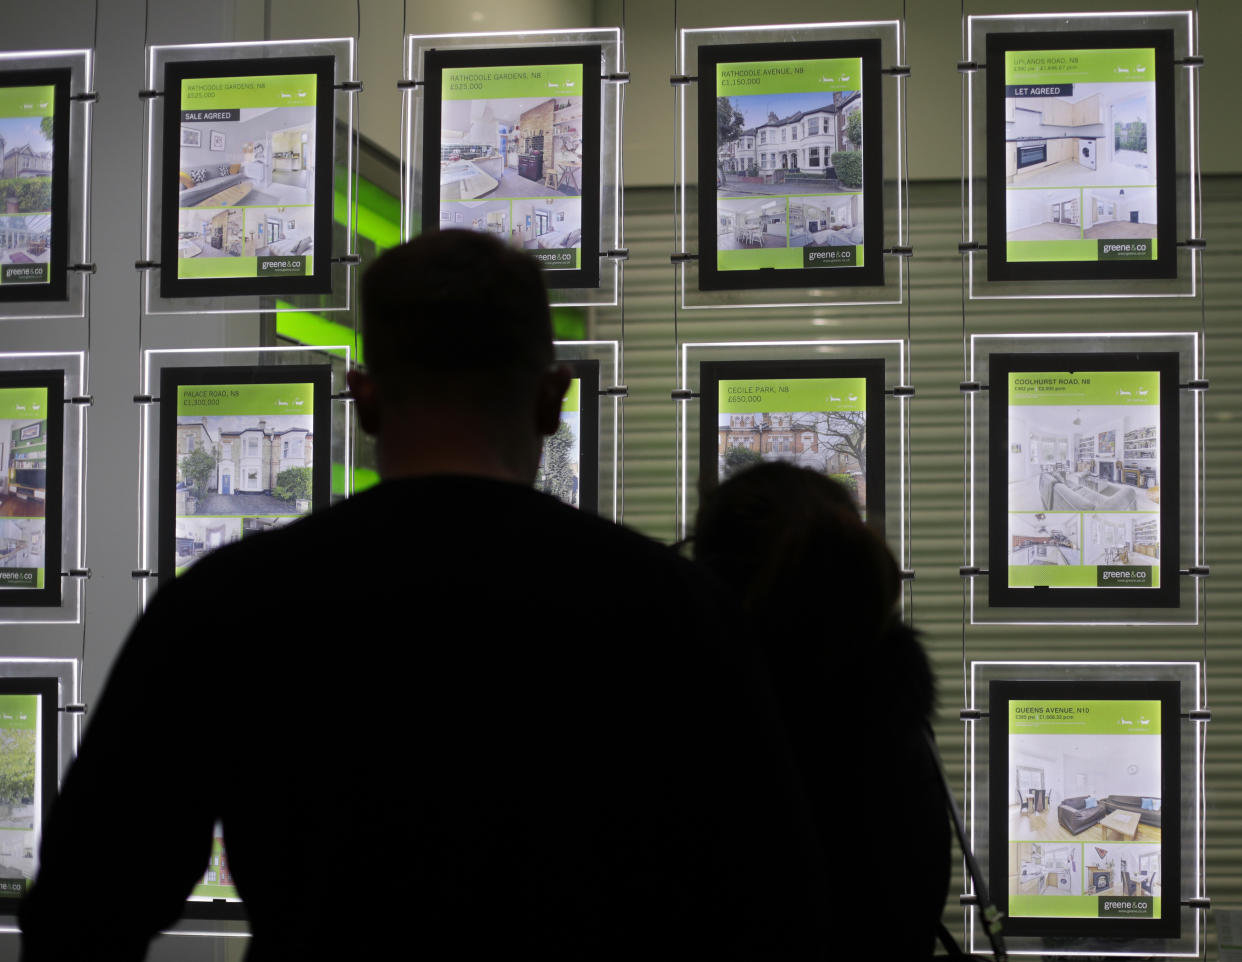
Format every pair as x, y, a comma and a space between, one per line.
615, 390
1198, 571
88, 97
1193, 243
899, 251
1189, 62
142, 573
349, 86
969, 247
409, 84
972, 714
82, 268
1198, 902
1197, 384
683, 258
970, 66
341, 396
969, 571
907, 574
617, 253
616, 78
74, 709
81, 399
146, 265
967, 898
1199, 714
680, 80
901, 390
971, 387
149, 94
684, 394
145, 399
76, 573
347, 259
901, 70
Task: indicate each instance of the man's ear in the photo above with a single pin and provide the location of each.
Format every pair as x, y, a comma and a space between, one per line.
366, 399
553, 383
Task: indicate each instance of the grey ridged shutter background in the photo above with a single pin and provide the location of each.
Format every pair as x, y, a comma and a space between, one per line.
936, 468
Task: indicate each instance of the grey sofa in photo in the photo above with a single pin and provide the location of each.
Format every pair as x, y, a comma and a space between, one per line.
1134, 803
1075, 817
1060, 494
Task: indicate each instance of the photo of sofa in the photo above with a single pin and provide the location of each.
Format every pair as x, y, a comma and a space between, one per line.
1076, 815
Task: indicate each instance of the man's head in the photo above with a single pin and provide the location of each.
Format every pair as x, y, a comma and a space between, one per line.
461, 372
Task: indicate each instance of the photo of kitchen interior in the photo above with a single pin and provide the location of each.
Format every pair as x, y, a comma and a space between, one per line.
1044, 538
1101, 133
1127, 868
511, 147
750, 223
1043, 868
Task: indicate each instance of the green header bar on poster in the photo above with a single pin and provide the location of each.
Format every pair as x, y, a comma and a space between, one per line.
793, 395
1084, 387
789, 77
245, 400
23, 403
573, 397
19, 711
496, 83
225, 93
37, 101
1125, 65
1084, 717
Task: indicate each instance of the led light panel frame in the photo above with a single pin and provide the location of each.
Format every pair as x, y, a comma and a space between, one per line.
1176, 204
504, 48
1024, 684
333, 291
881, 363
1114, 483
889, 107
333, 456
603, 358
64, 232
60, 601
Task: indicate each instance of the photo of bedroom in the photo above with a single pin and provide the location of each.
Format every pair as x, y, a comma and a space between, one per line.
547, 223
1040, 868
511, 147
1119, 212
1085, 787
277, 231
1094, 134
1121, 539
1044, 538
1130, 868
1067, 459
751, 223
826, 220
264, 158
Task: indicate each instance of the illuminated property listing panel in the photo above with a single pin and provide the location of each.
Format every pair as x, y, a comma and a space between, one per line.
560, 466
21, 790
27, 149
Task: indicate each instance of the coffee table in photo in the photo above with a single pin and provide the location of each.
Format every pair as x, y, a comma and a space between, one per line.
1125, 824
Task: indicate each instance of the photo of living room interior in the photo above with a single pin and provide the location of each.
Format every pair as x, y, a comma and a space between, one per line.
1044, 538
278, 231
750, 223
1121, 539
1095, 458
512, 147
1043, 214
1119, 212
827, 220
1041, 868
1091, 788
1102, 133
1121, 869
489, 216
550, 222
265, 159
23, 467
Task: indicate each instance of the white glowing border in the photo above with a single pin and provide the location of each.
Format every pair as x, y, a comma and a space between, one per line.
1193, 122
1090, 670
148, 428
152, 303
981, 344
809, 31
81, 64
606, 37
73, 523
608, 353
850, 348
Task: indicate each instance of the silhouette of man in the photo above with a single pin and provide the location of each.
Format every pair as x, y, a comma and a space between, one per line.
450, 713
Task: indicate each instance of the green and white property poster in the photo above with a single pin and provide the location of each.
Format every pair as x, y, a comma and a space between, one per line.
20, 792
1080, 155
1084, 808
789, 171
23, 486
512, 149
26, 152
247, 168
560, 465
1084, 479
217, 881
244, 462
815, 423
